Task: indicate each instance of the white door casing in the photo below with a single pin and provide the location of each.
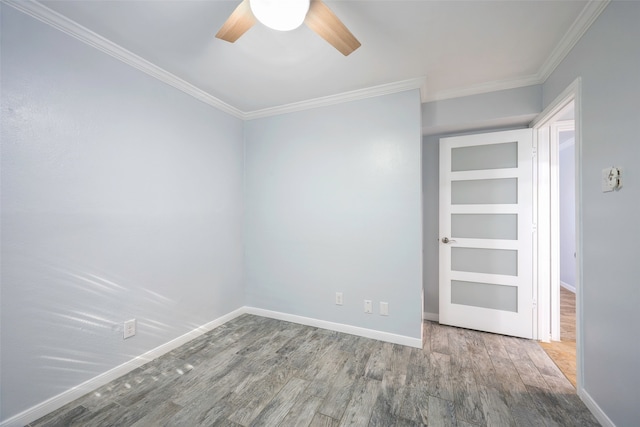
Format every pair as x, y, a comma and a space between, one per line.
541, 126
486, 213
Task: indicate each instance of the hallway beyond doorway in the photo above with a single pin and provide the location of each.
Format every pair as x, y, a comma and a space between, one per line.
563, 352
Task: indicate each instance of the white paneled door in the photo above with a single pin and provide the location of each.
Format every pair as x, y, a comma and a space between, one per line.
486, 232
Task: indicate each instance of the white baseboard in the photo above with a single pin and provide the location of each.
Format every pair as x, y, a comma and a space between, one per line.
78, 391
568, 286
338, 327
431, 316
56, 402
595, 409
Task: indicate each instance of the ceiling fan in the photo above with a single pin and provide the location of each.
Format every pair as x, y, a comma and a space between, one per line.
285, 15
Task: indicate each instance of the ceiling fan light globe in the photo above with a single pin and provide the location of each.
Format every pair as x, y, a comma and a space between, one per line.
281, 15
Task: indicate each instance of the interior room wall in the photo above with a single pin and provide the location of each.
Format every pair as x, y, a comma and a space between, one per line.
607, 58
121, 198
567, 195
333, 204
486, 111
495, 111
102, 221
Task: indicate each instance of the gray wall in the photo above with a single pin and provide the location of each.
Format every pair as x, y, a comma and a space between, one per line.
121, 198
608, 60
495, 111
567, 181
102, 221
333, 203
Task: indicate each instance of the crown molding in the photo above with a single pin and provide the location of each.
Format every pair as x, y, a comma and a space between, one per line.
42, 13
587, 16
72, 28
385, 89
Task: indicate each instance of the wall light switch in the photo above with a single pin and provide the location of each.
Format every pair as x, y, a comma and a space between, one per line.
368, 307
384, 309
129, 328
611, 179
338, 298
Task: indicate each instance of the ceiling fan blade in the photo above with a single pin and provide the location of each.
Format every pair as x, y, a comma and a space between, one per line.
237, 24
327, 25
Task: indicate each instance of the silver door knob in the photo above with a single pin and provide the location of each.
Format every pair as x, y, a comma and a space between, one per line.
447, 240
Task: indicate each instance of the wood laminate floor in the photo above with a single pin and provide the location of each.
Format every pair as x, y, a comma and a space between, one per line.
563, 352
254, 371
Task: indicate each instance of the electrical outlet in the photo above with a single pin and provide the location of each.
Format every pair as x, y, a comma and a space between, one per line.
368, 308
129, 328
384, 309
338, 298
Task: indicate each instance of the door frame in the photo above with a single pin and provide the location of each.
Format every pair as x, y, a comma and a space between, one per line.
547, 228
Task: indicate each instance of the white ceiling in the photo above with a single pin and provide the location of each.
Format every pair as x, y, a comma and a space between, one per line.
455, 47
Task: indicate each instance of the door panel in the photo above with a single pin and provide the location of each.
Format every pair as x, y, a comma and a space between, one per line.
486, 257
484, 191
484, 157
484, 226
486, 295
479, 260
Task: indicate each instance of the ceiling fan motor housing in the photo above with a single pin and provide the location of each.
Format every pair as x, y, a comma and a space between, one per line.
281, 15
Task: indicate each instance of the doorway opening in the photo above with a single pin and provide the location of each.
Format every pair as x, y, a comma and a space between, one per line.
562, 348
559, 232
